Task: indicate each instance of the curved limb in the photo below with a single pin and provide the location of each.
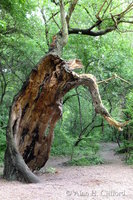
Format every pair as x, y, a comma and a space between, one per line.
90, 81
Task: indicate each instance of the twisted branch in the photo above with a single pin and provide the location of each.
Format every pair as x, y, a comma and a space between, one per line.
90, 81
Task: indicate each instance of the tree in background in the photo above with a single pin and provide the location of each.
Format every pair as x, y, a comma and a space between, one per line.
38, 106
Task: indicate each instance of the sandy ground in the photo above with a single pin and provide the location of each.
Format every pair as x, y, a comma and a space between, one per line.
110, 181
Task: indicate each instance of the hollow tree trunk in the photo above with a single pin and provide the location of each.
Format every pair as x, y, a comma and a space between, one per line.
33, 116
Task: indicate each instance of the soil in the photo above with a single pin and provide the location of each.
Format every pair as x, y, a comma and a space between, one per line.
112, 180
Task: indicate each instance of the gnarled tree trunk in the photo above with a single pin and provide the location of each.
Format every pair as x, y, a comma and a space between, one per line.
38, 106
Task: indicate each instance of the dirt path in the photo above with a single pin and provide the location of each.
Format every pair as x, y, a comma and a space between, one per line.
110, 181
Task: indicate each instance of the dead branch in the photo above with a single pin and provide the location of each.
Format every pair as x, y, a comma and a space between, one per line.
116, 124
90, 81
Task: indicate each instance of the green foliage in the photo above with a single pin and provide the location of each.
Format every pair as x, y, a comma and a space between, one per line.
130, 158
2, 145
62, 144
129, 105
86, 161
3, 124
65, 137
127, 141
3, 25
